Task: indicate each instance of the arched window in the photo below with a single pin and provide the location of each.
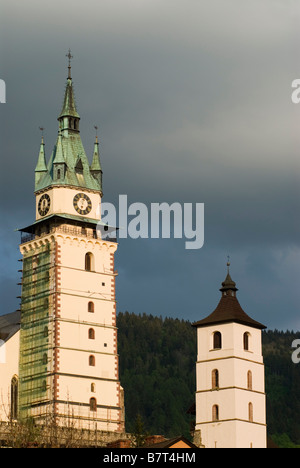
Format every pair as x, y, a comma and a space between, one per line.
215, 378
91, 307
249, 380
89, 262
45, 358
250, 412
91, 334
217, 340
215, 413
92, 361
58, 174
246, 341
93, 404
14, 390
93, 387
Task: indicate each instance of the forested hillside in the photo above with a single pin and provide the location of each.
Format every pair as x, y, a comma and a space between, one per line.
157, 371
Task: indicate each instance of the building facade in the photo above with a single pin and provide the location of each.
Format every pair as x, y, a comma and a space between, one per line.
68, 365
230, 381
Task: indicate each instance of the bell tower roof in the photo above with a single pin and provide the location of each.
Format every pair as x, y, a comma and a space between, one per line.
69, 105
228, 309
68, 157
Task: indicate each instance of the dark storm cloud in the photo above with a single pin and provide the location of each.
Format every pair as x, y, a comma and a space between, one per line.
192, 100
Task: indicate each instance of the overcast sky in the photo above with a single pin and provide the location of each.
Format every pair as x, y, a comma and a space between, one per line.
193, 103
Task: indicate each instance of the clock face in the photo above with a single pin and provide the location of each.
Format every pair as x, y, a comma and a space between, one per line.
44, 204
82, 204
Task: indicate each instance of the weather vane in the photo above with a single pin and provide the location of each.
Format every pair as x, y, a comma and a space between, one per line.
42, 130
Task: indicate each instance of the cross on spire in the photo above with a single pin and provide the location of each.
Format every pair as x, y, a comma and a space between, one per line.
70, 56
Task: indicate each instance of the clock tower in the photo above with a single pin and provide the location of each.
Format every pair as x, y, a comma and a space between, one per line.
68, 366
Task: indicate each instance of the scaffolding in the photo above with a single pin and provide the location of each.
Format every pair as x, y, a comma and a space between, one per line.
35, 332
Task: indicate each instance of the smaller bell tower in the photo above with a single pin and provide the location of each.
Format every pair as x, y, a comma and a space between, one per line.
230, 381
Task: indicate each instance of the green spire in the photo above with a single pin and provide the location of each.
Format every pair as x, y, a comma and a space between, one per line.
69, 106
95, 168
41, 167
59, 156
68, 165
69, 117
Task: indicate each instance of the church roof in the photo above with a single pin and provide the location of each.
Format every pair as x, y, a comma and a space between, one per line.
9, 324
228, 309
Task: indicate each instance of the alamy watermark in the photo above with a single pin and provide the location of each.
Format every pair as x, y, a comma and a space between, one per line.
2, 92
159, 220
296, 353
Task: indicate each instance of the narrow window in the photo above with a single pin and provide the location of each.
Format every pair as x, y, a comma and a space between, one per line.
91, 334
58, 174
246, 341
215, 378
217, 340
45, 358
249, 380
14, 389
91, 307
93, 404
250, 412
215, 413
89, 262
93, 387
92, 361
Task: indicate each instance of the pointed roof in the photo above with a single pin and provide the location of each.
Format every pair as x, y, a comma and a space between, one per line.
59, 154
41, 164
228, 309
69, 105
69, 150
96, 165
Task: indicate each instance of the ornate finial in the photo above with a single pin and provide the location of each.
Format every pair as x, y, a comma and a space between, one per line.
42, 130
228, 263
96, 128
70, 56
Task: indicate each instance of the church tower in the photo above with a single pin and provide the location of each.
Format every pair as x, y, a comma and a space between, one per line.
230, 383
68, 366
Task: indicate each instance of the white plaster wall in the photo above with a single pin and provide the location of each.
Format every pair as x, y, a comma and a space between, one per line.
8, 369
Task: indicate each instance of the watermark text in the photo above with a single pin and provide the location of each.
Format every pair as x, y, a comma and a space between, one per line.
159, 220
296, 353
